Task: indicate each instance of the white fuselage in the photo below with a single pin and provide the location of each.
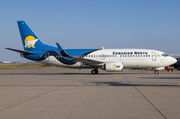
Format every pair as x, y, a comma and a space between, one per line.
131, 58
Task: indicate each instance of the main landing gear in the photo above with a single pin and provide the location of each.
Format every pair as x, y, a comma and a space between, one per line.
94, 71
156, 71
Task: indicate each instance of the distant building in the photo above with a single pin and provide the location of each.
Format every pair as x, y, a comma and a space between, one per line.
5, 62
23, 62
8, 62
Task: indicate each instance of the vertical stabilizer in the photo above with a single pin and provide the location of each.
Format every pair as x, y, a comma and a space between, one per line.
29, 40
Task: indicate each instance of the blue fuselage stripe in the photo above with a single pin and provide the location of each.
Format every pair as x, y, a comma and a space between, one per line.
40, 55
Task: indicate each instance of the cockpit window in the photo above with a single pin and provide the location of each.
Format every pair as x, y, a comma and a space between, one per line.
165, 55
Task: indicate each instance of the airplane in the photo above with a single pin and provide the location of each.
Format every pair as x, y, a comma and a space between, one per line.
110, 60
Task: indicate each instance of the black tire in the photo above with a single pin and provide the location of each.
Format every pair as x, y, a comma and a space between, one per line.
93, 72
156, 72
96, 71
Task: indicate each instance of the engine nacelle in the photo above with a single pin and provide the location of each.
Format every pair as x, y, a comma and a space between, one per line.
113, 66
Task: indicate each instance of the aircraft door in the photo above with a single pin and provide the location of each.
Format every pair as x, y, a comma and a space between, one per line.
153, 56
103, 56
47, 54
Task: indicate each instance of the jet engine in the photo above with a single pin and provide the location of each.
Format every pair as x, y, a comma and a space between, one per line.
113, 66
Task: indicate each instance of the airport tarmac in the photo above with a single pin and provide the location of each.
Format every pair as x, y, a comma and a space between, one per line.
74, 94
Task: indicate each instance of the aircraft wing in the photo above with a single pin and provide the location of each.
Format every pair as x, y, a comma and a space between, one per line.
80, 59
20, 51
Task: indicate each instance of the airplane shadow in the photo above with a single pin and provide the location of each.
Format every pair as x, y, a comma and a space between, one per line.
127, 84
80, 73
89, 74
160, 77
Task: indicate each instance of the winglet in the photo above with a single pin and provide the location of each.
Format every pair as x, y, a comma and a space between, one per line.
59, 47
61, 50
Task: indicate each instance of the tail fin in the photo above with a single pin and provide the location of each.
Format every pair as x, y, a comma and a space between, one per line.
29, 40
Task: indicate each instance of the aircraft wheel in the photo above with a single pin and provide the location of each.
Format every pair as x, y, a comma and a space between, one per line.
156, 72
94, 72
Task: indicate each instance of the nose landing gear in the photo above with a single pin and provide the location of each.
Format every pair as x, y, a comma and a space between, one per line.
156, 71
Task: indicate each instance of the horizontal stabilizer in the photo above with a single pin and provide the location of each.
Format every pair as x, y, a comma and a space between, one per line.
20, 51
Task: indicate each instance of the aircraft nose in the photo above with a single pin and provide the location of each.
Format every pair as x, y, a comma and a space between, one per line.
173, 60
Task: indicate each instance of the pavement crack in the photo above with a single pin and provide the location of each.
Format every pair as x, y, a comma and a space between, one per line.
146, 98
38, 96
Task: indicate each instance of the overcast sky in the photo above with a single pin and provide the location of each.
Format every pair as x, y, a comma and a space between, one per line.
79, 24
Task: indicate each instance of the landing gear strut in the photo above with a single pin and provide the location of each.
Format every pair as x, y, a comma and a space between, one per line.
156, 71
95, 71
